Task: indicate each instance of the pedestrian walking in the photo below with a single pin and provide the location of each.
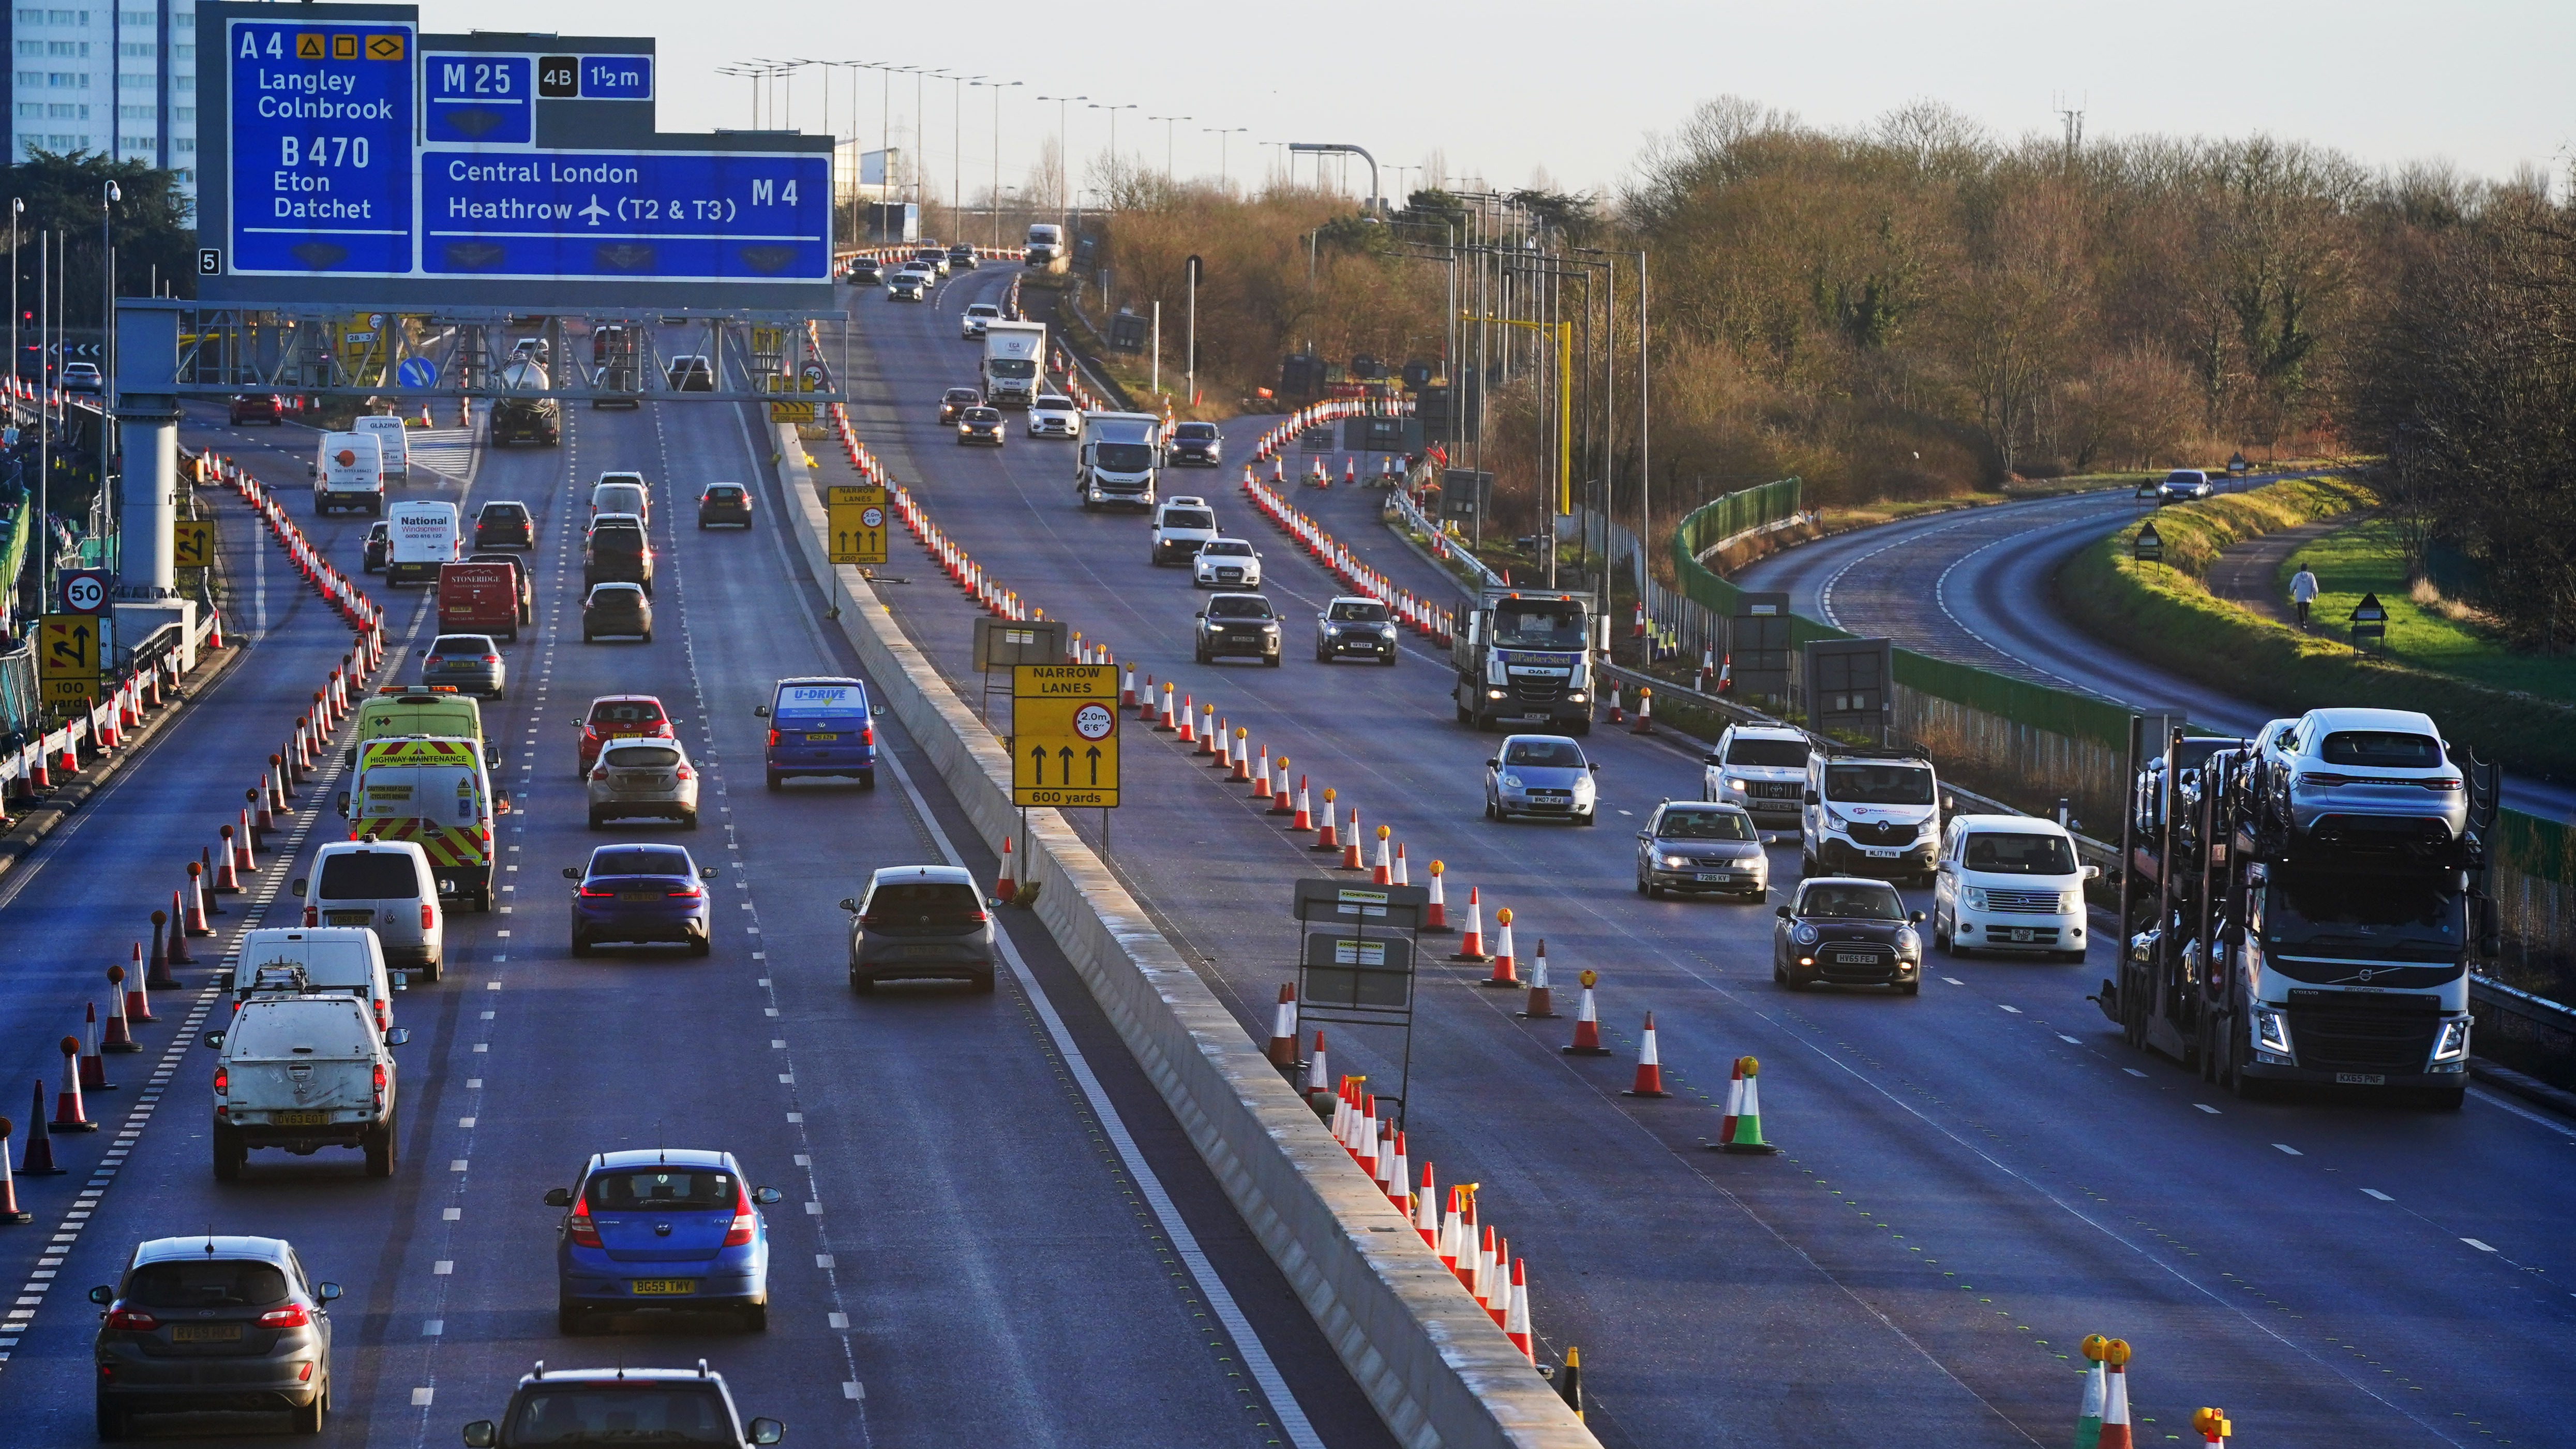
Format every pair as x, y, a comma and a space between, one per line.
2303, 592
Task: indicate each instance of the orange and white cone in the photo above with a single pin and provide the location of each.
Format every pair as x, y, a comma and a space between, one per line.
1645, 721
1283, 1030
1259, 775
195, 923
138, 995
1305, 817
1342, 1114
1207, 729
1167, 724
1516, 1320
1426, 1211
1281, 802
1541, 1006
1351, 843
227, 873
1472, 946
176, 953
1587, 1022
1399, 1172
69, 1114
93, 1067
1145, 701
1383, 872
2115, 1397
1382, 1161
1403, 877
2212, 1423
1365, 1131
1127, 689
1506, 970
1650, 1066
1735, 1105
1317, 1082
10, 1212
1480, 1268
1445, 1243
243, 860
1435, 912
1006, 883
1618, 714
120, 1035
1242, 754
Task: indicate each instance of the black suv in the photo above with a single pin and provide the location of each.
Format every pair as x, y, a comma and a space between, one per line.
865, 272
617, 552
1198, 444
505, 524
1238, 624
213, 1322
1847, 930
622, 1406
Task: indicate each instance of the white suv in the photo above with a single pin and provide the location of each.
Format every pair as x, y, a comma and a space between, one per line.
1760, 767
2009, 883
304, 1072
1053, 416
978, 314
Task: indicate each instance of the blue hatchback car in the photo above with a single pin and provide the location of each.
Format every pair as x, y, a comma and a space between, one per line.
821, 726
661, 1230
641, 893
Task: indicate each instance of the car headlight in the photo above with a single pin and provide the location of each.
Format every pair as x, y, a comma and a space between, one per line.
1676, 862
1574, 696
2071, 902
1835, 822
1804, 935
1388, 630
1270, 628
1511, 782
1735, 785
2272, 1031
1976, 898
1332, 631
1931, 827
1493, 694
2454, 1041
1909, 946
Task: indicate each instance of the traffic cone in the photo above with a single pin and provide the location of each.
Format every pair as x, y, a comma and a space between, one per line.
1145, 701
40, 776
1650, 1066
1342, 1114
1350, 471
1382, 1162
243, 859
1516, 1322
1426, 1212
69, 1114
2115, 1396
278, 794
1366, 1131
176, 953
1506, 972
1259, 775
1327, 838
1239, 766
1403, 876
1734, 1102
2088, 1416
1281, 802
1498, 1284
227, 875
1283, 1030
9, 1209
1305, 818
1166, 725
1472, 946
120, 1035
1469, 1247
1316, 1077
1645, 722
159, 964
1189, 721
1569, 1380
2212, 1423
1445, 1244
1006, 885
1435, 912
138, 995
38, 1160
1383, 872
1209, 736
1540, 1007
1618, 715
1747, 1136
1481, 1270
1637, 628
1587, 1022
1127, 689
93, 1066
195, 922
263, 820
1351, 843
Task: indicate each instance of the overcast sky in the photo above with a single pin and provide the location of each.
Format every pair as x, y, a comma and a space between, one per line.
1574, 90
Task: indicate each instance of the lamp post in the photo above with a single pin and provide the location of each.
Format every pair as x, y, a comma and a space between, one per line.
17, 209
1113, 145
1167, 142
957, 141
919, 113
1063, 157
1224, 176
997, 87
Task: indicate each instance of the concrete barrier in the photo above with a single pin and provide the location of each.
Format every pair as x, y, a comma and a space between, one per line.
1427, 1355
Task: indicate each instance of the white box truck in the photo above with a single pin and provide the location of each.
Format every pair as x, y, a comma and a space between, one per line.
349, 472
1045, 244
1120, 453
1014, 358
424, 538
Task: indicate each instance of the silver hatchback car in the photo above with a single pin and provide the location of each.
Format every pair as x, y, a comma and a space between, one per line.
920, 922
213, 1322
648, 777
470, 662
1542, 775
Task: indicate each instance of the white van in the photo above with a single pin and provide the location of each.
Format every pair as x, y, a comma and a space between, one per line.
349, 472
385, 886
335, 960
426, 537
1045, 243
2009, 883
395, 446
1869, 811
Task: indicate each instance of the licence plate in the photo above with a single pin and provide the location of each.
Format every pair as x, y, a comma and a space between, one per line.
1855, 958
2021, 934
300, 1119
811, 738
639, 895
1712, 875
2361, 1079
643, 1286
1875, 853
348, 918
205, 1333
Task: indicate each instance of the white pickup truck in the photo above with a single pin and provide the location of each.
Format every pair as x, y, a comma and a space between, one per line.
303, 1073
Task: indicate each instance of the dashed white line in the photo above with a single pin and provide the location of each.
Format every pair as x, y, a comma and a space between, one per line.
2375, 1192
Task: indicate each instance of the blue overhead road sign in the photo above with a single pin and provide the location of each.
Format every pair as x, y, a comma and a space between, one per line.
321, 145
681, 215
415, 372
477, 99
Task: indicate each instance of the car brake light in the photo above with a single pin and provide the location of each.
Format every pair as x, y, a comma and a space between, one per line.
223, 1079
739, 1236
686, 773
686, 893
384, 1022
291, 1316
2440, 785
312, 915
428, 916
580, 1229
773, 739
590, 732
380, 1079
437, 659
132, 1321
589, 893
867, 734
600, 774
491, 658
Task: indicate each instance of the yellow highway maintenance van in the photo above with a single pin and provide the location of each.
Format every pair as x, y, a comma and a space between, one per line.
437, 794
435, 710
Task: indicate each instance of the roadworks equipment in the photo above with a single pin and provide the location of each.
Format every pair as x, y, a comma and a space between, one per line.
1506, 973
1747, 1135
1316, 1089
2088, 1415
9, 1209
120, 1035
1435, 913
1283, 1030
1587, 1022
2115, 1396
70, 1115
1650, 1066
1540, 1006
1472, 946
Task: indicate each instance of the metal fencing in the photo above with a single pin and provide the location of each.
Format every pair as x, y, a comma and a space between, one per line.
21, 707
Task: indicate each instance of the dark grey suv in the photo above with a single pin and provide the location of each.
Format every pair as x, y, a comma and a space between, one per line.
213, 1323
622, 1406
918, 923
1238, 624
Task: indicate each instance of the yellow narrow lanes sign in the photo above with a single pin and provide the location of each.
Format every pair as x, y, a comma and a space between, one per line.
858, 518
67, 658
1064, 735
192, 544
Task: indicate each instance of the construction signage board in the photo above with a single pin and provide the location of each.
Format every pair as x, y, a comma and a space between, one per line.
858, 516
192, 545
71, 650
1064, 735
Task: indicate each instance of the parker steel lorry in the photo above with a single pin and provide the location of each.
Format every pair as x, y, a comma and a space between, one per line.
1524, 655
1121, 454
1014, 356
2265, 948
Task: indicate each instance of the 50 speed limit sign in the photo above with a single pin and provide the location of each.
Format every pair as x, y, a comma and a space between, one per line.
85, 591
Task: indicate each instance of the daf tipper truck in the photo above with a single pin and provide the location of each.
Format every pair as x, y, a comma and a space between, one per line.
1118, 461
1522, 655
2271, 938
1014, 356
531, 419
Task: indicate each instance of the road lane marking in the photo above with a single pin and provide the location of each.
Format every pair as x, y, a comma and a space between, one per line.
2474, 1243
1953, 980
2286, 1147
2070, 1041
2375, 1192
2015, 1010
2204, 1106
2133, 1071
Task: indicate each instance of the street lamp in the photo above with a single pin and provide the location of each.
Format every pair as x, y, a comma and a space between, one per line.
17, 209
1375, 202
997, 87
957, 140
920, 122
1167, 142
1224, 177
107, 309
1113, 145
1063, 158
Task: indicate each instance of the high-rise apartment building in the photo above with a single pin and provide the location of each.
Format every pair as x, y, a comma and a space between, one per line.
117, 77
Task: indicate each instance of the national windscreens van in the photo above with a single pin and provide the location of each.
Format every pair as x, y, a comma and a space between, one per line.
426, 537
349, 472
436, 794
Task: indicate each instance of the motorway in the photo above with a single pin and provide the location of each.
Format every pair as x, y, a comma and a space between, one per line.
993, 1231
1990, 578
1974, 1179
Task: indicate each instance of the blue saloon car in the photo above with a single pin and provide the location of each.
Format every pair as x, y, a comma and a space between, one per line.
661, 1230
641, 893
820, 726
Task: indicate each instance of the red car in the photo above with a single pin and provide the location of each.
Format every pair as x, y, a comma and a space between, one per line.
620, 716
262, 407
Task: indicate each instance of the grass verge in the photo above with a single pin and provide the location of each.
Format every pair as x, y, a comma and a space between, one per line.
2424, 629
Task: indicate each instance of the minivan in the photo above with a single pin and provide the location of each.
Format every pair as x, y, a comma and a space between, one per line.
820, 725
2009, 884
395, 445
1868, 811
385, 886
340, 960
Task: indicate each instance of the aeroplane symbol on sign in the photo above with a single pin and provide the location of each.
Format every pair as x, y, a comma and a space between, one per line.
594, 211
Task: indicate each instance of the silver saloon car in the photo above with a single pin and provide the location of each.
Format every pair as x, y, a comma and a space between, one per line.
1701, 847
